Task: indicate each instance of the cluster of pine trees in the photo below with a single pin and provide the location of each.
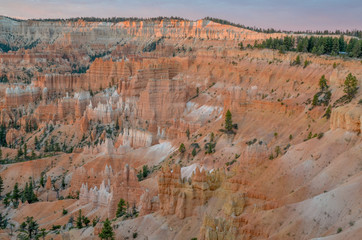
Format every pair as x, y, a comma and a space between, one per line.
109, 19
27, 195
354, 33
315, 45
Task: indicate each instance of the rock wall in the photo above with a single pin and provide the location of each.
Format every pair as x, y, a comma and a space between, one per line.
113, 187
179, 196
15, 97
347, 117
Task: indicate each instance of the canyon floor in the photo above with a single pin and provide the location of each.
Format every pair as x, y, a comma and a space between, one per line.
95, 112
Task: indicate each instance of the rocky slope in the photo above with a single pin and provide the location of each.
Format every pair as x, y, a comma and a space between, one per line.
92, 103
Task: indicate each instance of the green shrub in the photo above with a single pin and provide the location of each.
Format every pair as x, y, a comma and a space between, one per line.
65, 212
182, 148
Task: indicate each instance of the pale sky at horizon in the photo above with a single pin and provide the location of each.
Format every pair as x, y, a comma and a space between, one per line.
278, 14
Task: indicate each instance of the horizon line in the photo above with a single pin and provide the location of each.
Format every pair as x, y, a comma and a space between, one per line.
186, 19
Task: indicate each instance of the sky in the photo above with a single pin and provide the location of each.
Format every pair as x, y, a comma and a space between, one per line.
278, 14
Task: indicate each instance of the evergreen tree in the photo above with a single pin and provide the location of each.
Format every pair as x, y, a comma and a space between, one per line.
16, 193
121, 209
25, 150
63, 182
320, 50
43, 233
3, 221
328, 112
356, 50
107, 231
117, 124
182, 148
342, 44
188, 134
85, 220
25, 194
241, 46
36, 143
350, 86
323, 83
3, 136
1, 185
194, 152
335, 46
228, 121
33, 155
20, 153
146, 171
29, 229
212, 136
27, 126
6, 200
79, 220
42, 183
297, 60
31, 197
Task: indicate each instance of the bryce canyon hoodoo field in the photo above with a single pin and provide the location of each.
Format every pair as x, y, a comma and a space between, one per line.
168, 128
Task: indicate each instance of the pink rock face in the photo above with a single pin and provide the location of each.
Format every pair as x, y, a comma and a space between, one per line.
48, 185
181, 196
348, 118
105, 188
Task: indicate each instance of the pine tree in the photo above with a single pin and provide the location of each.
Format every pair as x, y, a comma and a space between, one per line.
356, 50
3, 136
323, 83
212, 136
107, 231
328, 112
63, 182
342, 44
29, 229
117, 124
25, 194
121, 209
3, 221
335, 46
297, 60
42, 183
188, 134
36, 143
31, 197
1, 185
85, 220
182, 148
228, 121
27, 126
43, 233
241, 46
6, 200
79, 220
194, 152
145, 170
350, 86
25, 150
20, 152
16, 193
